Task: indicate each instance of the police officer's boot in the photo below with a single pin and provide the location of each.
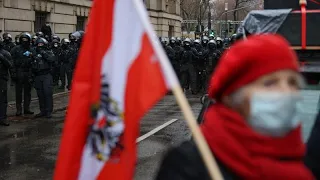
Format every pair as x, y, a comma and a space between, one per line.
19, 110
28, 112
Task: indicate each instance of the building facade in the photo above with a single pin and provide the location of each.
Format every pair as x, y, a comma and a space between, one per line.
66, 16
165, 17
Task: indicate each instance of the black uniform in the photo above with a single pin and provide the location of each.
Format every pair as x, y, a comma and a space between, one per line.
187, 70
21, 56
201, 68
5, 66
46, 29
171, 55
67, 63
178, 53
41, 68
55, 47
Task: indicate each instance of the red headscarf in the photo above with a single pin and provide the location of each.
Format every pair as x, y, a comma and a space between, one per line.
250, 155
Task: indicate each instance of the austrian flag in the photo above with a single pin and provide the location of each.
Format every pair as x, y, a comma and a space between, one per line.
121, 73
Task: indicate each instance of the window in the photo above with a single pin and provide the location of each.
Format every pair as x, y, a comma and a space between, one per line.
171, 31
81, 23
41, 18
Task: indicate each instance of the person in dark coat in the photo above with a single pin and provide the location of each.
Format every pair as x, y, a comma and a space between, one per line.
5, 66
253, 129
312, 159
46, 29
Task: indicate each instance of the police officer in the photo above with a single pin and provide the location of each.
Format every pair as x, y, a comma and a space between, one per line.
233, 39
40, 34
178, 53
169, 51
41, 67
220, 48
34, 40
178, 41
205, 41
73, 40
55, 37
21, 75
197, 45
5, 66
75, 48
16, 39
187, 70
7, 42
55, 47
65, 59
212, 59
226, 43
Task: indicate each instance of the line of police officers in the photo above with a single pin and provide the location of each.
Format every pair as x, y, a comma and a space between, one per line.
195, 60
36, 61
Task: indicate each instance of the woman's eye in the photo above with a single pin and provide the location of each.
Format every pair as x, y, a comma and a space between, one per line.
294, 83
270, 82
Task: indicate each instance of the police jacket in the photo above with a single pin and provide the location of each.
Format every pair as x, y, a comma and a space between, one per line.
185, 163
8, 46
212, 59
5, 64
171, 54
178, 53
189, 56
57, 54
65, 56
21, 58
42, 62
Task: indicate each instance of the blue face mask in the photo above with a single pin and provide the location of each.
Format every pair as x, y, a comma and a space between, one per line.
275, 114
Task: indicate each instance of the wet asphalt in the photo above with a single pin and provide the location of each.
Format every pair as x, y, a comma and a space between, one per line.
28, 147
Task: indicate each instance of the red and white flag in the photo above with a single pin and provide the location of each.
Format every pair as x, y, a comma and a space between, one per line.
118, 78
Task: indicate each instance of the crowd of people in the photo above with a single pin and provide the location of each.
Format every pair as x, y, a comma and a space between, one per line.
194, 60
39, 61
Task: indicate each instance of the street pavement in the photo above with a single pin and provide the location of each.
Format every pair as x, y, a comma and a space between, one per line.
29, 147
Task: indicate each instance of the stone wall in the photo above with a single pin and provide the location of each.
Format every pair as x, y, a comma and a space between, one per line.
18, 16
165, 17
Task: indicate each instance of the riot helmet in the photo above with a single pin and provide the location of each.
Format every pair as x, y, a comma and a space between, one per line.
187, 43
178, 42
172, 40
16, 39
41, 44
197, 44
55, 43
233, 38
226, 43
40, 34
219, 42
65, 41
34, 39
25, 39
56, 37
212, 45
205, 41
7, 37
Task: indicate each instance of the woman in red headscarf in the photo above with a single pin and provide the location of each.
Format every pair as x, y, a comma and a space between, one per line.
254, 128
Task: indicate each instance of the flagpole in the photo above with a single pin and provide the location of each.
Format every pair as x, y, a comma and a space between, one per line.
207, 156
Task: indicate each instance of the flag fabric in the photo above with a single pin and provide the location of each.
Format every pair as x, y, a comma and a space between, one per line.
118, 78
